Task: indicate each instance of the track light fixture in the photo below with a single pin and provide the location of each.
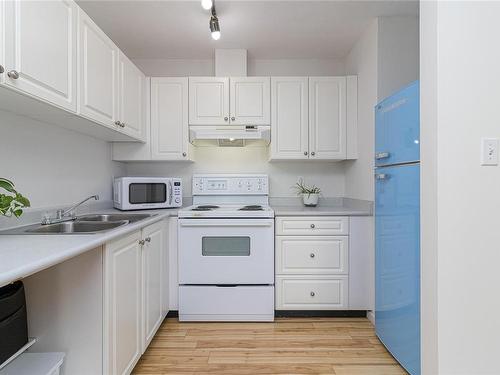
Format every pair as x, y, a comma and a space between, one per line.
214, 20
214, 28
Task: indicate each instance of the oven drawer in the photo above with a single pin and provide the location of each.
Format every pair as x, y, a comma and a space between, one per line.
226, 251
318, 293
312, 255
238, 303
314, 225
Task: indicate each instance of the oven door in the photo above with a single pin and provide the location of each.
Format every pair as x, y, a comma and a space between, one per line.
226, 251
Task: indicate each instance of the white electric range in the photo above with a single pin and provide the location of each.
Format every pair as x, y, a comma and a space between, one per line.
226, 250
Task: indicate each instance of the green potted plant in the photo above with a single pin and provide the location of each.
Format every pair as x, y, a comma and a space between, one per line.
12, 203
310, 194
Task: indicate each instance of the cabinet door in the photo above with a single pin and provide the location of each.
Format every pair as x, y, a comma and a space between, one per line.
250, 100
40, 46
169, 118
289, 128
97, 73
131, 87
154, 250
3, 73
208, 101
327, 118
122, 304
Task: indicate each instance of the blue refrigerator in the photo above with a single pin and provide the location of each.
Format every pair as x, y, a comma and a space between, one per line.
397, 226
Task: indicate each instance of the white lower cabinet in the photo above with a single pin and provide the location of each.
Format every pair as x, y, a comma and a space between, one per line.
123, 304
133, 296
312, 263
312, 292
154, 250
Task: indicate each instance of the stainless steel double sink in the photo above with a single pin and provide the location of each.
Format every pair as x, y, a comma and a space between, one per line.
86, 224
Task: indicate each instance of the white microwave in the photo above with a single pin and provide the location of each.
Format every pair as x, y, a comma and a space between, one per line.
140, 193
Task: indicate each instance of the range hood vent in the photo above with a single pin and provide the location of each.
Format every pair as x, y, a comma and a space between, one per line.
229, 136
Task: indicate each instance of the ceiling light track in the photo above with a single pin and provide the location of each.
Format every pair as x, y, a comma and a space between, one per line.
214, 20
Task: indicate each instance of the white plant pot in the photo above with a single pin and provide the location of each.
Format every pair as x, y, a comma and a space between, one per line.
310, 200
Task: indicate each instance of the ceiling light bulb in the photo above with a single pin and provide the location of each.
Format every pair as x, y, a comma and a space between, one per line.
206, 4
215, 35
214, 28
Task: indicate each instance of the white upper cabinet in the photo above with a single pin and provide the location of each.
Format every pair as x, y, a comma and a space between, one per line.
321, 131
208, 100
289, 108
40, 49
249, 100
132, 103
169, 119
97, 73
327, 117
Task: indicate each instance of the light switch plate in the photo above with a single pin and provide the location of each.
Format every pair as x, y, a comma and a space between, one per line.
489, 151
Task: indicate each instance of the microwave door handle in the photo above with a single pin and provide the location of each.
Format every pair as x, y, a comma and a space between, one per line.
170, 192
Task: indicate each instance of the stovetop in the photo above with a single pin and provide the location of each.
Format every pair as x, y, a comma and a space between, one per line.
227, 211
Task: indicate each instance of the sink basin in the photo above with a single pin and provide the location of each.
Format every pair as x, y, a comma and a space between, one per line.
86, 224
132, 218
75, 227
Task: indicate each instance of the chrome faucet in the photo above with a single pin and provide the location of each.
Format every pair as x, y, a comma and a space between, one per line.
66, 215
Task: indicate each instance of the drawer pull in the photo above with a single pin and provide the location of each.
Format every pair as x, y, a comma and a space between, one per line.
313, 226
312, 255
313, 294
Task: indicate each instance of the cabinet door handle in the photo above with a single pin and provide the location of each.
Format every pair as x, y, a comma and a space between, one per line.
117, 123
313, 153
14, 74
233, 118
312, 255
184, 154
313, 294
313, 226
122, 124
2, 69
226, 118
305, 153
148, 239
141, 242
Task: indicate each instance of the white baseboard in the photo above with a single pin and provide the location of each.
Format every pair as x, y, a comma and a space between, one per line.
371, 316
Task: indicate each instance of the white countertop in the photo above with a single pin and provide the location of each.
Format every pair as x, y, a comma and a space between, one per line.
301, 210
24, 255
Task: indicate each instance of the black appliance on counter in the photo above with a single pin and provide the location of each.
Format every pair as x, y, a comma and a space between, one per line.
13, 320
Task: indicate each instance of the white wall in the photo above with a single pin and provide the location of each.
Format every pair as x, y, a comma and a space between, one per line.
385, 59
466, 195
362, 61
428, 188
173, 68
54, 166
398, 53
329, 176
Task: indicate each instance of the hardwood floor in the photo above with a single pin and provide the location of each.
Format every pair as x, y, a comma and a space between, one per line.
342, 346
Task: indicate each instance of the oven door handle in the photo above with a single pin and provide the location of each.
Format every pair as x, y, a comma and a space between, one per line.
219, 224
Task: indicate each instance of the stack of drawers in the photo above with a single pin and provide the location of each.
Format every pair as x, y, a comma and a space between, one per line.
312, 263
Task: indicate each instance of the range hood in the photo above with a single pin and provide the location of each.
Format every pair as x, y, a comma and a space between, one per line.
229, 136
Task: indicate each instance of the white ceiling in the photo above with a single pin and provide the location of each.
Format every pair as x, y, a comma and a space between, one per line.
268, 29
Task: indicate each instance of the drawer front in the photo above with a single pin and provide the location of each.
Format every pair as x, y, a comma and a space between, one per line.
313, 225
312, 255
320, 293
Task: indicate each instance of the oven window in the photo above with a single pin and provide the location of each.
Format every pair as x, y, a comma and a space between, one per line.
225, 246
147, 193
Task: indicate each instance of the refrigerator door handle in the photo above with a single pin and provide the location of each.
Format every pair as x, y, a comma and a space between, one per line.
381, 176
382, 155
